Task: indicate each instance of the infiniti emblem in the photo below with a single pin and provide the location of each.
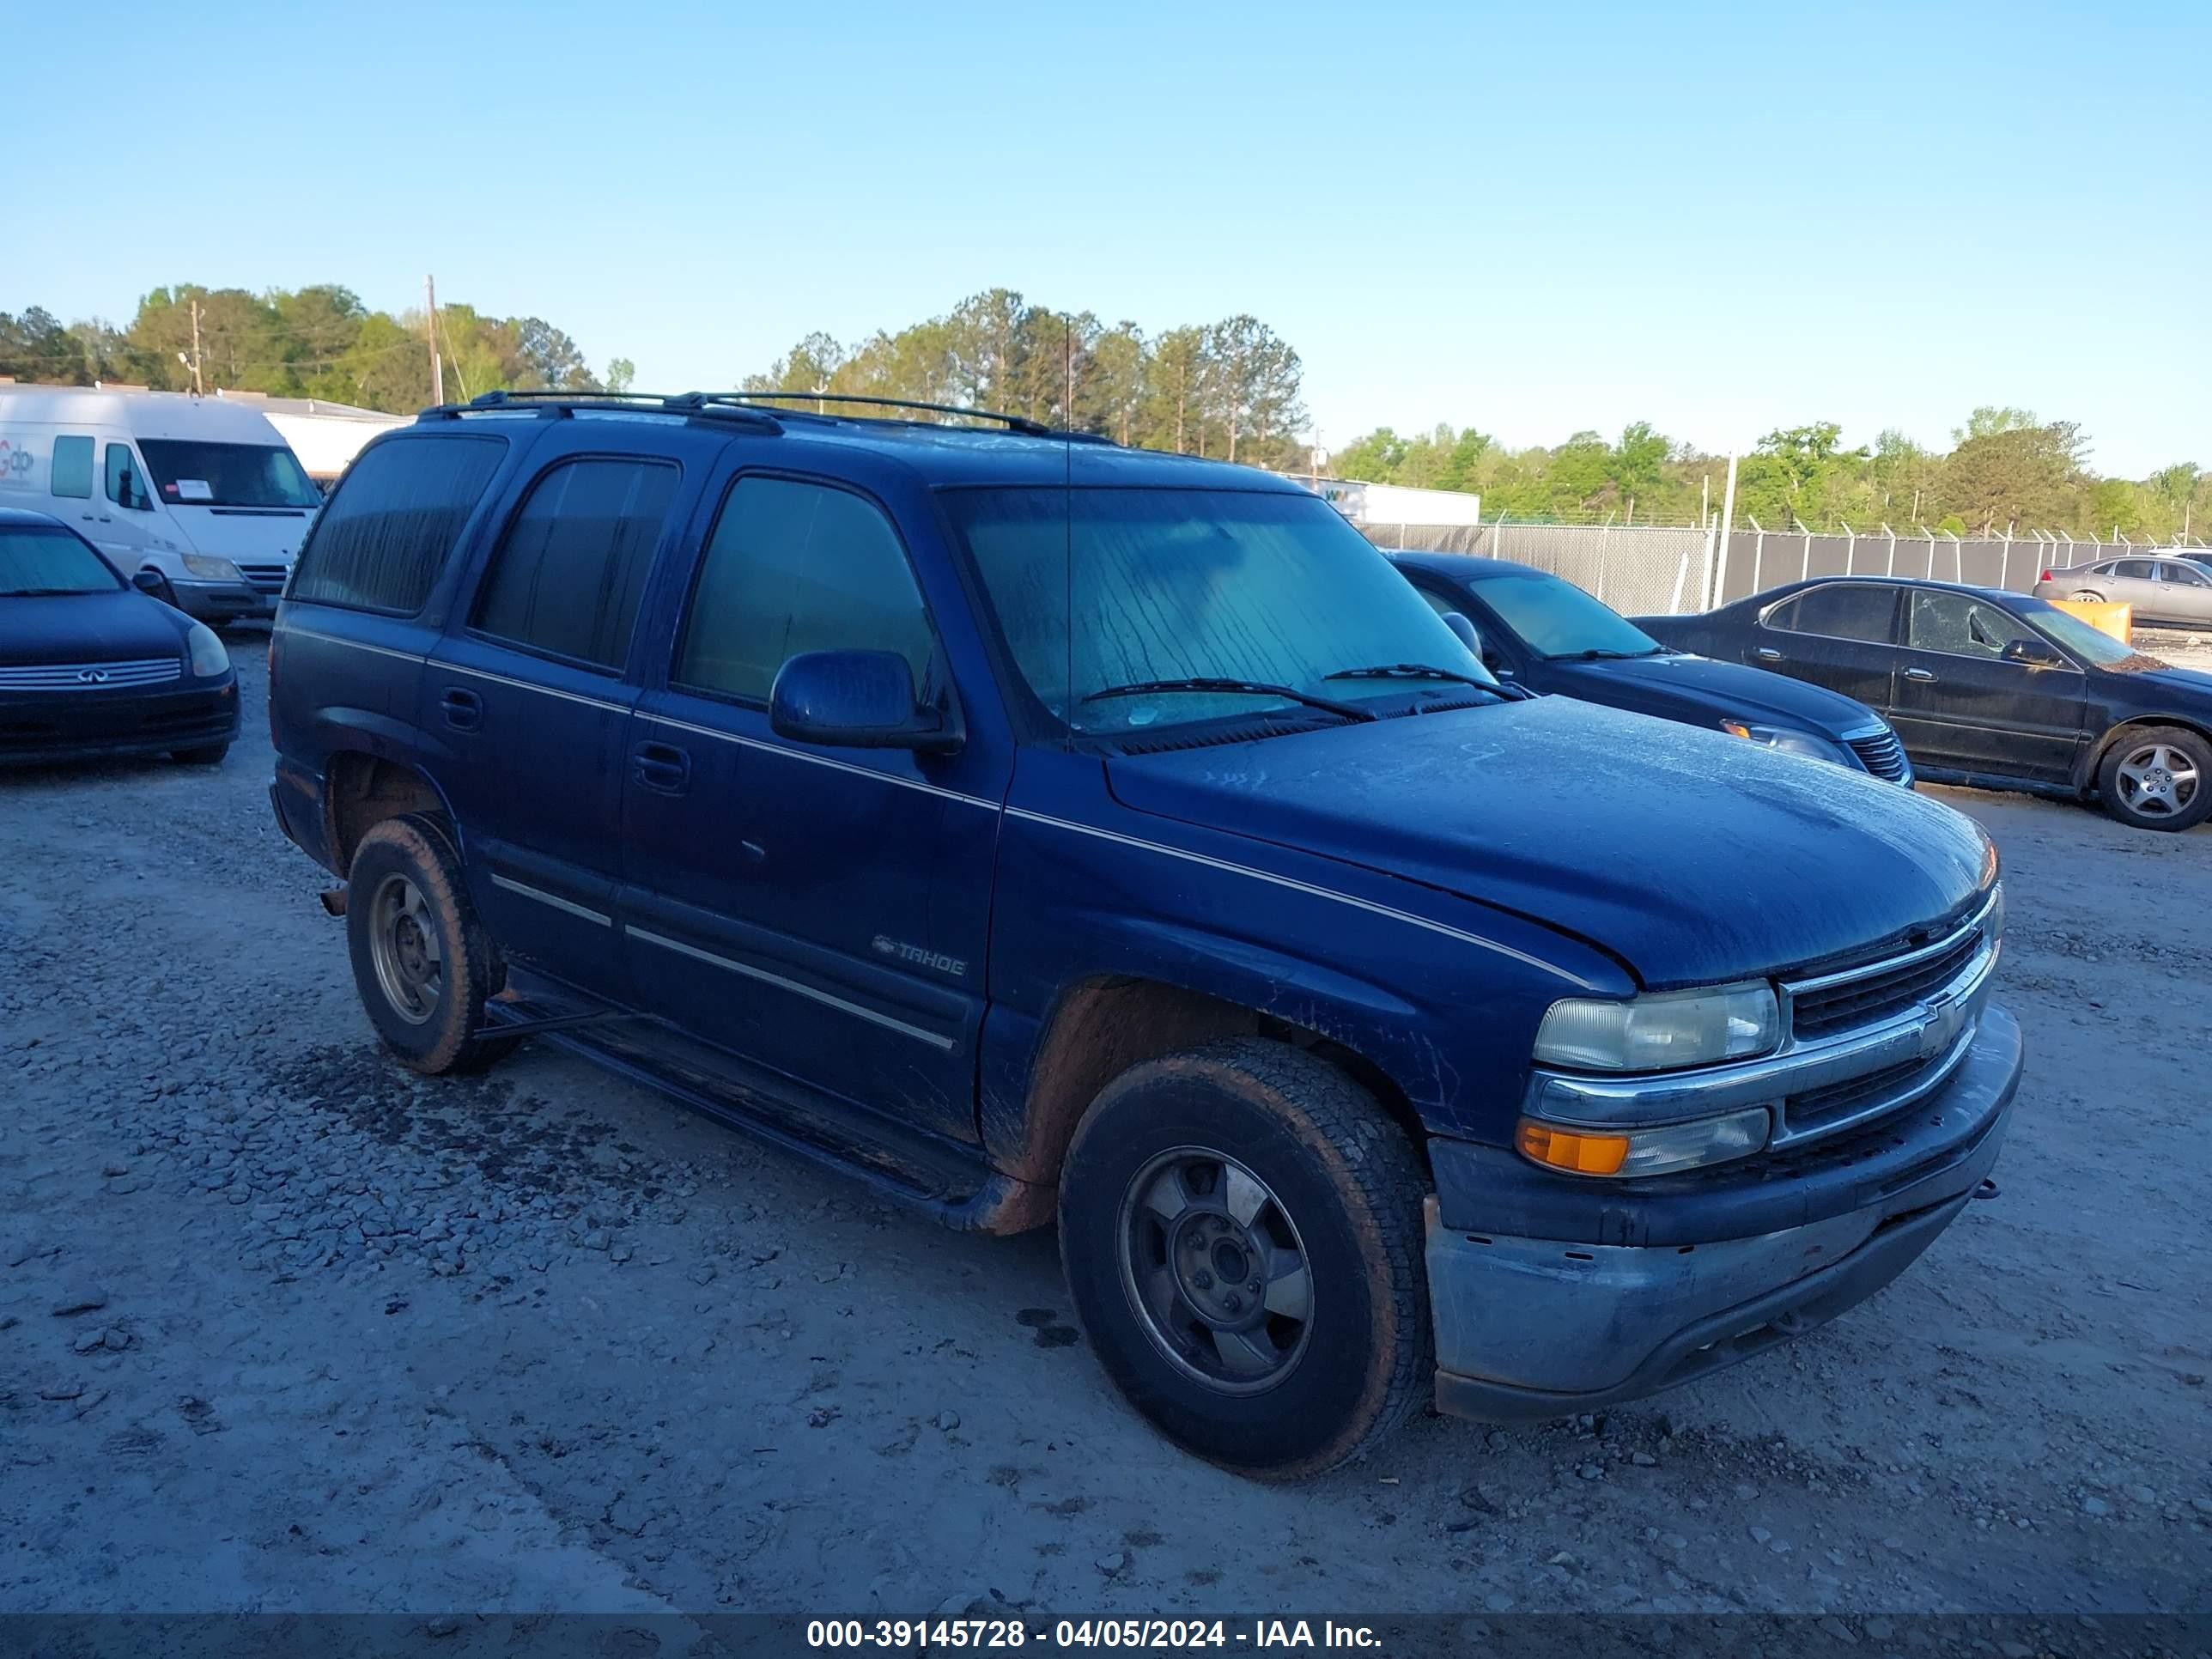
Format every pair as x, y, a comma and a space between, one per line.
93, 676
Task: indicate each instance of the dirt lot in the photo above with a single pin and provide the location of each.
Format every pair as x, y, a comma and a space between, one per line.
281, 1327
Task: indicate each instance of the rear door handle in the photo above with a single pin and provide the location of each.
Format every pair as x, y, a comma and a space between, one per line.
1920, 674
661, 766
1766, 654
464, 709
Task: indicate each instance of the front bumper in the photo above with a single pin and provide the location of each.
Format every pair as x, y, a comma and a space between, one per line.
1529, 1327
119, 722
224, 602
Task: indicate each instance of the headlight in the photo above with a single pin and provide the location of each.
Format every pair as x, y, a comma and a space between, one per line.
1782, 739
1645, 1151
208, 658
1662, 1032
212, 569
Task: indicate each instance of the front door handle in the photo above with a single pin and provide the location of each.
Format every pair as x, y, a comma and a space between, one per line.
1767, 653
1920, 674
661, 766
463, 710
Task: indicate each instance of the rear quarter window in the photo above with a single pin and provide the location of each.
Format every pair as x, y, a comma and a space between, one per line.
392, 525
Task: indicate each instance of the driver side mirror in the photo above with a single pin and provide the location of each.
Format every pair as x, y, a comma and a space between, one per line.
2032, 653
856, 700
148, 581
1470, 636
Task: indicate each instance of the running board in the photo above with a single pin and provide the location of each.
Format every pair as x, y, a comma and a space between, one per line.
527, 1027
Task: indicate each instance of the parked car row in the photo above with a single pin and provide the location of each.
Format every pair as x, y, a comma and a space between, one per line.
199, 497
1044, 831
1997, 690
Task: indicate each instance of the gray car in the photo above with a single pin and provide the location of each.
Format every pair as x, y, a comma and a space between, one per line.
2162, 589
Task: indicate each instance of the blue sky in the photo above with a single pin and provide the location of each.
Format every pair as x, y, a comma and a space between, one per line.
1532, 219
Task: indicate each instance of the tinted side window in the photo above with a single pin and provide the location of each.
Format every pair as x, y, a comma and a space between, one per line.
71, 474
2188, 575
792, 568
566, 578
391, 524
2138, 568
1844, 611
1961, 626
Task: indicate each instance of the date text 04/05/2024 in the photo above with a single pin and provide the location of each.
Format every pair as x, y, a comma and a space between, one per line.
1087, 1634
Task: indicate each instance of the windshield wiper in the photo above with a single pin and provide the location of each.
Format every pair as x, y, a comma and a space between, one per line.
1410, 671
1248, 688
1596, 653
44, 592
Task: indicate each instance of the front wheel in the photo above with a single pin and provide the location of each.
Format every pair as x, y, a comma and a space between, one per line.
423, 963
207, 755
1241, 1227
2158, 777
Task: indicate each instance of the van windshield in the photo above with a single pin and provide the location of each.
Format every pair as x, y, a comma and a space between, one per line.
188, 473
1112, 601
36, 562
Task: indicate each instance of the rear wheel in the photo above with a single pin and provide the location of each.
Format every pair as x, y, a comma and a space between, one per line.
421, 961
2086, 597
2158, 777
1241, 1226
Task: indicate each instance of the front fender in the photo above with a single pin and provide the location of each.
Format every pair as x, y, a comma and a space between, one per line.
1446, 1008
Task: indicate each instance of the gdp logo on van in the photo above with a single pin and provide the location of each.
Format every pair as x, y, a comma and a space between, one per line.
16, 463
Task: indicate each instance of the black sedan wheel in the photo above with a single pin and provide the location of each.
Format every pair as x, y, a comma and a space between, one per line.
2158, 777
1241, 1226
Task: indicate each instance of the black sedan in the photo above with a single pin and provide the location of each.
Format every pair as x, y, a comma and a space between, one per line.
1541, 632
90, 666
1998, 690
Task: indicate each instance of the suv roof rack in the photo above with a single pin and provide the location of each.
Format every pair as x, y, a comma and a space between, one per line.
758, 407
559, 405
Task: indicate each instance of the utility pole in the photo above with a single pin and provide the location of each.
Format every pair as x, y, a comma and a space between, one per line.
430, 317
199, 382
1728, 529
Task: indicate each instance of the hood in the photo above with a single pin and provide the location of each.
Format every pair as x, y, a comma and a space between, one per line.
259, 535
124, 626
2189, 688
1704, 692
1692, 856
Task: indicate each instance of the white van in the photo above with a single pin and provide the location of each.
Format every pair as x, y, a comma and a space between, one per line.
201, 493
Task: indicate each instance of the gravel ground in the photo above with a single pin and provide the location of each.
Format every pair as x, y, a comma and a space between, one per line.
281, 1328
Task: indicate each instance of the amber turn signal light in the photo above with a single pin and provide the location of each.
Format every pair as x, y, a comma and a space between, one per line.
1570, 1149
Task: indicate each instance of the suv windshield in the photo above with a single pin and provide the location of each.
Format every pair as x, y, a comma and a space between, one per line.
36, 562
1096, 591
191, 474
1555, 618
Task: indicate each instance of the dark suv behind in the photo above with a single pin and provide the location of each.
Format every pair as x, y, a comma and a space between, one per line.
1044, 831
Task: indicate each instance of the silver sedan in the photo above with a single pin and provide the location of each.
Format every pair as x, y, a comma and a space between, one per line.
2162, 589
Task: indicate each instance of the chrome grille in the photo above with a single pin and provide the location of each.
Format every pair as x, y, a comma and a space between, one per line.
267, 578
89, 675
1821, 1007
1880, 753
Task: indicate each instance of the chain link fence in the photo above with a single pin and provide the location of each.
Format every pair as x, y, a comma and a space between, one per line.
1646, 571
1638, 569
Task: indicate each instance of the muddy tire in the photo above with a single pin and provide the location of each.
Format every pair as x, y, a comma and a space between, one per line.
421, 961
2157, 777
1241, 1228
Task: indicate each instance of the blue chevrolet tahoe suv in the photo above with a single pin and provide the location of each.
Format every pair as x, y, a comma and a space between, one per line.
1044, 831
